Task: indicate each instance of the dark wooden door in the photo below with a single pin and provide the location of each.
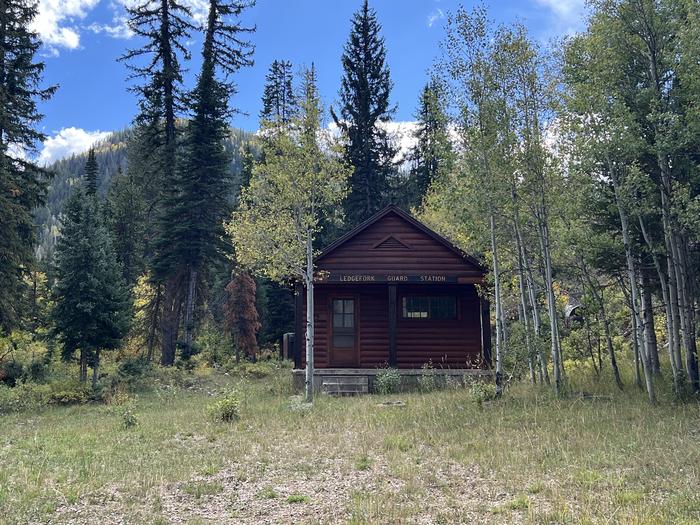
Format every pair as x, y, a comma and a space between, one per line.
344, 348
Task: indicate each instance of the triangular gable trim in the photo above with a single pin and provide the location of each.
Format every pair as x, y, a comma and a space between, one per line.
390, 242
408, 218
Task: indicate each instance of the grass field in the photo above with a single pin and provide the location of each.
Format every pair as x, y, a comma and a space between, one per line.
440, 458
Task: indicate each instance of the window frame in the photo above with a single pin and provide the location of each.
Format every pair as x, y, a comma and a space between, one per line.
428, 296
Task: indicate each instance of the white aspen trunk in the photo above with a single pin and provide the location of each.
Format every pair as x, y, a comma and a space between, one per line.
648, 320
689, 300
606, 323
309, 277
634, 290
677, 265
527, 289
524, 313
551, 304
670, 327
536, 321
635, 337
526, 322
686, 313
499, 311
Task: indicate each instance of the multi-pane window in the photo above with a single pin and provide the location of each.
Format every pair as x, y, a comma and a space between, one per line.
430, 307
343, 323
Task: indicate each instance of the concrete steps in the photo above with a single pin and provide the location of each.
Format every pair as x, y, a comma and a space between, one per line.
345, 385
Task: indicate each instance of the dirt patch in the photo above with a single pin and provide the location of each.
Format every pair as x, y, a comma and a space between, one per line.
330, 490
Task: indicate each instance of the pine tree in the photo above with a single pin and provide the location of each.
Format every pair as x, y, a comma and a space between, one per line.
191, 227
91, 173
92, 308
165, 25
22, 184
126, 208
364, 96
433, 153
241, 316
279, 101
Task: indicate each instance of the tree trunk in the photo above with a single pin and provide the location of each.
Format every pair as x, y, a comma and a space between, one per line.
606, 323
189, 308
499, 310
95, 367
309, 277
536, 320
551, 303
682, 305
673, 354
648, 320
634, 291
153, 322
83, 365
170, 321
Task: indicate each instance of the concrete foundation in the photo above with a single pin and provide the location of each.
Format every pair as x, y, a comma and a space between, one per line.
409, 377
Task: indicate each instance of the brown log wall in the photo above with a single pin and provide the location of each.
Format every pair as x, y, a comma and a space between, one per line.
445, 343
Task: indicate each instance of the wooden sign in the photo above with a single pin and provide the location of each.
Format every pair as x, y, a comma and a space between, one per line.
368, 278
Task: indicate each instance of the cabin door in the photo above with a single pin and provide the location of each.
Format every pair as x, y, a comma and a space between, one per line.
344, 332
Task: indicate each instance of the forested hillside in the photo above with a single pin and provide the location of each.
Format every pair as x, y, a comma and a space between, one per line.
112, 156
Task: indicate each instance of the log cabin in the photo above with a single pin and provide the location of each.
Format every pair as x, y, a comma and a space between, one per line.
393, 293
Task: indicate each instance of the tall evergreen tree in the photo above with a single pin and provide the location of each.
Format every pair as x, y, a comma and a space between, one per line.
191, 233
165, 25
364, 95
91, 173
126, 209
433, 153
92, 310
279, 101
22, 185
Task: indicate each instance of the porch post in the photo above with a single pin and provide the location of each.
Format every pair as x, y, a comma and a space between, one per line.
486, 331
392, 325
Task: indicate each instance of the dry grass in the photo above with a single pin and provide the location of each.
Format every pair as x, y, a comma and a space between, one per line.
529, 458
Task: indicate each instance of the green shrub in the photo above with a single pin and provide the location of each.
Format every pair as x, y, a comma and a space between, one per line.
226, 409
69, 393
258, 370
388, 381
133, 367
37, 371
427, 380
480, 391
24, 396
129, 418
11, 372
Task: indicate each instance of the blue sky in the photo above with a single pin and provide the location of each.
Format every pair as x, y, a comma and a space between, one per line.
83, 39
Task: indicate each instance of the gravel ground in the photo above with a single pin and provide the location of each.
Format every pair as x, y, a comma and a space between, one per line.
335, 491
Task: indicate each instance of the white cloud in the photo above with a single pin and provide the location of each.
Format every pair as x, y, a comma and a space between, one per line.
434, 16
55, 22
401, 134
569, 15
67, 142
119, 28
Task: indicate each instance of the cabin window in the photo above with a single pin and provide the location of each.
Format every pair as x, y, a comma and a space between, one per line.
442, 307
343, 323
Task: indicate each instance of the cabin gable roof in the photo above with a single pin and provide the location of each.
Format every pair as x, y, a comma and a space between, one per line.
394, 240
